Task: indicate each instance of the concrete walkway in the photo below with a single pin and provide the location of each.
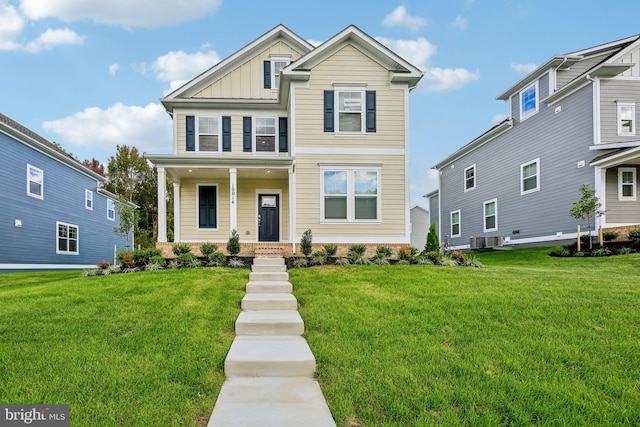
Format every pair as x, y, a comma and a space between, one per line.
270, 367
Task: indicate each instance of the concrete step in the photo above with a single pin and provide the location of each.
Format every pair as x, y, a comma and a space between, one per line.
277, 356
269, 302
268, 261
268, 276
270, 322
269, 287
271, 402
268, 268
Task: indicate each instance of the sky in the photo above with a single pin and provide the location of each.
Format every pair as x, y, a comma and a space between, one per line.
89, 74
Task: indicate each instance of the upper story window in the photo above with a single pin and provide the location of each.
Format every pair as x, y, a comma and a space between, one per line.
271, 70
204, 133
530, 177
350, 195
349, 111
35, 182
88, 199
67, 239
265, 134
626, 183
470, 178
529, 101
349, 107
208, 134
111, 210
490, 215
455, 223
626, 119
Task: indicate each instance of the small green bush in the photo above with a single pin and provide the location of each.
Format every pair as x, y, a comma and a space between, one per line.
433, 243
585, 238
158, 259
208, 248
380, 260
459, 257
188, 260
319, 257
300, 263
180, 249
236, 263
625, 251
173, 264
610, 236
434, 257
331, 249
384, 251
560, 251
233, 245
144, 255
448, 262
407, 254
634, 236
342, 261
217, 259
473, 261
358, 249
305, 243
126, 258
579, 254
603, 251
153, 266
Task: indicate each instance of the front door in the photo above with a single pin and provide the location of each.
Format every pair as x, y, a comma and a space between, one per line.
268, 218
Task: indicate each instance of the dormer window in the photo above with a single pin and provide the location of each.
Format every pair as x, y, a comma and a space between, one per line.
529, 101
272, 70
626, 119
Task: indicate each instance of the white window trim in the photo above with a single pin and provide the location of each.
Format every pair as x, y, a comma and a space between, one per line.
274, 59
58, 251
219, 134
336, 106
254, 134
633, 121
112, 204
522, 166
88, 196
459, 223
475, 178
207, 184
633, 184
29, 193
523, 117
351, 209
484, 215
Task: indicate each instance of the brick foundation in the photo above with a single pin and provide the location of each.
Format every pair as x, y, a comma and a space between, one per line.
624, 231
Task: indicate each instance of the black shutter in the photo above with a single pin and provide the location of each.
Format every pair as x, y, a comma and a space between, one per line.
267, 74
246, 134
226, 133
328, 111
371, 110
191, 133
207, 207
283, 135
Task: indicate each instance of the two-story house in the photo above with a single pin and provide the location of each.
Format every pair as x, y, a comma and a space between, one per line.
571, 121
54, 213
282, 136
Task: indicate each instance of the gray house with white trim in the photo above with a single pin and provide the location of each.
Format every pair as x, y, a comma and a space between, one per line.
571, 121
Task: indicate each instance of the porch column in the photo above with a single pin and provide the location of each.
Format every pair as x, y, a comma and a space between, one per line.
176, 211
600, 187
233, 199
292, 208
162, 206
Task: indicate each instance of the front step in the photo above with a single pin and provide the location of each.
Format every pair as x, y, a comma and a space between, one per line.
268, 261
251, 356
269, 287
268, 268
269, 323
269, 302
268, 276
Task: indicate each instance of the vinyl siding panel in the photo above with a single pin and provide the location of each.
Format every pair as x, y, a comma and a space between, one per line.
434, 217
611, 92
64, 200
189, 211
564, 76
620, 211
248, 206
560, 141
246, 81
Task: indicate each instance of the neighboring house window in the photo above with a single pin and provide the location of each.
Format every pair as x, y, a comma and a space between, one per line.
490, 215
470, 178
35, 182
530, 177
208, 134
626, 119
351, 195
88, 199
265, 132
67, 240
627, 183
207, 206
111, 210
455, 223
529, 101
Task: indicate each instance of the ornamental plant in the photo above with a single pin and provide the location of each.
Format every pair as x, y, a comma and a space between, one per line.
587, 208
233, 245
305, 243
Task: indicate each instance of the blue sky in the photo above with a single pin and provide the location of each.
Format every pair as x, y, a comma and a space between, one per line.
88, 74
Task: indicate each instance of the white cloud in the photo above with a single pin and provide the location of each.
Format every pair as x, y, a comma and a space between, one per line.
523, 68
498, 118
147, 128
113, 69
459, 23
52, 38
427, 181
11, 25
314, 43
179, 67
125, 13
400, 17
417, 52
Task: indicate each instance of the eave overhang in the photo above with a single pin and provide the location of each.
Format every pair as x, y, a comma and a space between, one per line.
204, 161
618, 157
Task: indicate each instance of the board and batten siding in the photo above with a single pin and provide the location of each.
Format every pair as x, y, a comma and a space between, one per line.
34, 242
247, 81
392, 197
559, 140
613, 91
632, 57
620, 211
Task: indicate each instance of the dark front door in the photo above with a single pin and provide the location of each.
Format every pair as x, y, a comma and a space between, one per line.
268, 218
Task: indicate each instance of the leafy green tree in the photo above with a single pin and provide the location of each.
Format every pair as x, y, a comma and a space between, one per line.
128, 221
433, 243
305, 243
233, 245
587, 208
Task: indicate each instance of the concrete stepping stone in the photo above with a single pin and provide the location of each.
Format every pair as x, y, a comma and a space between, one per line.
264, 276
269, 268
270, 322
269, 301
269, 287
269, 356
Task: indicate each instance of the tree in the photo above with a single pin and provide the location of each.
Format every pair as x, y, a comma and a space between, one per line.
128, 220
94, 165
587, 208
433, 243
305, 243
233, 245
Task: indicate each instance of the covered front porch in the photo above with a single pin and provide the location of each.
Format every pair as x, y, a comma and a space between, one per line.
212, 196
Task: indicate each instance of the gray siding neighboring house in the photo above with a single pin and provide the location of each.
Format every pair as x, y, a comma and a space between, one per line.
518, 181
420, 222
54, 212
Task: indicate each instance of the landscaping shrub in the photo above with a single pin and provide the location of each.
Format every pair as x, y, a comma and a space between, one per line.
233, 245
126, 258
158, 259
300, 263
331, 249
434, 257
356, 254
181, 248
236, 263
208, 248
144, 255
579, 254
319, 257
624, 251
342, 261
188, 259
103, 265
586, 238
610, 236
407, 254
448, 262
433, 243
560, 251
305, 243
459, 257
473, 261
153, 266
384, 251
217, 259
634, 236
603, 251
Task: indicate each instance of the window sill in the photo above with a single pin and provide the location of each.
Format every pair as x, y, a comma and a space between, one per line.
350, 222
524, 193
35, 196
350, 135
627, 199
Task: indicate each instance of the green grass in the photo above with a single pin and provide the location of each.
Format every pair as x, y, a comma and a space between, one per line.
131, 349
529, 340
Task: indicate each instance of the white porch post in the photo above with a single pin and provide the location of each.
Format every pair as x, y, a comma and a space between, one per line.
292, 208
233, 199
600, 187
162, 206
176, 211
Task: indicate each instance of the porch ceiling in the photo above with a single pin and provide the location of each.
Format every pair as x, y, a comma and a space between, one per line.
218, 173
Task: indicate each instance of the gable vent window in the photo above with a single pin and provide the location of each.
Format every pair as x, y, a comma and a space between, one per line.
529, 101
271, 71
